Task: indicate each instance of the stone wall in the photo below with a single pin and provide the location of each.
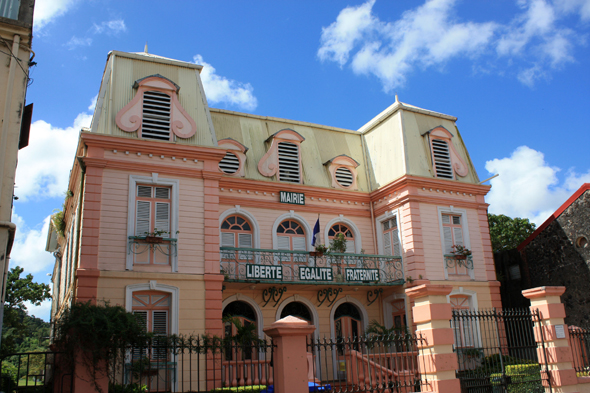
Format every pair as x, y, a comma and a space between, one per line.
559, 257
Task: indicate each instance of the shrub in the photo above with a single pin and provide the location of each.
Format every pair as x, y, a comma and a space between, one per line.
245, 389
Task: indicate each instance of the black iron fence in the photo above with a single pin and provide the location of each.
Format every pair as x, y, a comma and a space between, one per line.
580, 344
36, 372
497, 351
193, 365
367, 364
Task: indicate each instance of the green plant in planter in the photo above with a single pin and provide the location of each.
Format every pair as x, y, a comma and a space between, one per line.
322, 249
461, 251
338, 244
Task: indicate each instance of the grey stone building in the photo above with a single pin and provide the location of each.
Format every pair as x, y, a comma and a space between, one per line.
558, 253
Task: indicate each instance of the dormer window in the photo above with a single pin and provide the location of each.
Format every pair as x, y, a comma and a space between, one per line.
283, 158
235, 159
446, 162
289, 162
155, 112
442, 159
342, 169
156, 116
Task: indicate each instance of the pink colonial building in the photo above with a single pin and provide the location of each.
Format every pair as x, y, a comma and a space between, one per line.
184, 213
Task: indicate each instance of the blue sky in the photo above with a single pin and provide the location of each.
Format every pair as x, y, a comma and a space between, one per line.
514, 72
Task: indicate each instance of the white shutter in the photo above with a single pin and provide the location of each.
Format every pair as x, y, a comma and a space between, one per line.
397, 250
162, 193
350, 247
387, 244
228, 239
299, 244
163, 217
142, 218
245, 241
458, 235
448, 236
144, 191
283, 243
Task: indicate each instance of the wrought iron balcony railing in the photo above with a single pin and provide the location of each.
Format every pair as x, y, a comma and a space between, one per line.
453, 261
141, 244
251, 264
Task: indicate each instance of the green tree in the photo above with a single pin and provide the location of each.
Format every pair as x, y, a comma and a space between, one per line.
17, 324
507, 233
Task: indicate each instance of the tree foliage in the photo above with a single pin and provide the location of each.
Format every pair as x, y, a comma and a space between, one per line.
507, 233
20, 332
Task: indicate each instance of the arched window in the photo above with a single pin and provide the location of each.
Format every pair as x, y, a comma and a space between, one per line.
348, 235
236, 232
297, 309
239, 320
391, 243
291, 236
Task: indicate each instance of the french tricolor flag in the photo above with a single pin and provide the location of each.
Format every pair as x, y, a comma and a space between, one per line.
316, 233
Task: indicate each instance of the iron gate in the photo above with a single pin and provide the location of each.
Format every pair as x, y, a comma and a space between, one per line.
497, 351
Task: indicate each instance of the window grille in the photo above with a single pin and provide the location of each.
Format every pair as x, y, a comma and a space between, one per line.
344, 177
156, 116
289, 162
442, 159
229, 164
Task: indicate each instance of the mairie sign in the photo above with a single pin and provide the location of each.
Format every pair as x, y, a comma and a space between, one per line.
307, 273
294, 198
264, 272
362, 274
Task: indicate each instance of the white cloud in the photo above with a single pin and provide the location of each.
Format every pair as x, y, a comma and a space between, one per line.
44, 166
93, 103
48, 10
111, 27
528, 186
42, 311
28, 250
76, 42
432, 34
219, 89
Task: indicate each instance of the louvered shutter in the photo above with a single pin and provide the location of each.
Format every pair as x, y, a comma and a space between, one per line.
397, 250
467, 333
289, 162
299, 244
387, 243
163, 217
350, 247
458, 236
144, 191
230, 163
228, 239
442, 159
142, 218
448, 238
156, 116
245, 241
344, 177
284, 243
159, 328
142, 316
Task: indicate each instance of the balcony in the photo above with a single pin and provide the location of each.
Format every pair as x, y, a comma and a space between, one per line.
455, 262
258, 265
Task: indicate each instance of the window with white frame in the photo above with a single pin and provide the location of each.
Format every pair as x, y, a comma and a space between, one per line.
236, 232
391, 242
348, 236
462, 327
153, 211
452, 232
153, 309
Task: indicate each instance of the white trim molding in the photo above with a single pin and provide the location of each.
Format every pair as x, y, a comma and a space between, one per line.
473, 305
242, 212
357, 234
292, 216
246, 299
154, 180
466, 241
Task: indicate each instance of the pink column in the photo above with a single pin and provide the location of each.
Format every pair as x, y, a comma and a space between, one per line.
559, 354
290, 360
432, 315
87, 378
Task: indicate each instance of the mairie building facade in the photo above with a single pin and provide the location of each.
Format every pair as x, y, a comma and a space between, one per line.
185, 214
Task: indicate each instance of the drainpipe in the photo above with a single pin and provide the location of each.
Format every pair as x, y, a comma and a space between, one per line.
7, 105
